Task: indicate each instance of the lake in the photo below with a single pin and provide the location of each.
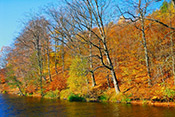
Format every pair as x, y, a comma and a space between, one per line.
11, 105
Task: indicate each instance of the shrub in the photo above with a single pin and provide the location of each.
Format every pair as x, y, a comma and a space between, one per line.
103, 98
76, 98
4, 92
126, 100
52, 94
169, 93
64, 94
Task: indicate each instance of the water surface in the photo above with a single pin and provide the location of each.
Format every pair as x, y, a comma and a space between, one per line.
11, 105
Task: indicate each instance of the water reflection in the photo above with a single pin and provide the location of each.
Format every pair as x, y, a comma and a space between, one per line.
11, 105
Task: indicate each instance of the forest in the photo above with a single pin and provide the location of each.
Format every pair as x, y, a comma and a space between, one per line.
94, 50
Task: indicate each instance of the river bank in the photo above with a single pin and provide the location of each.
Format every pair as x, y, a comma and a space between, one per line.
132, 101
12, 105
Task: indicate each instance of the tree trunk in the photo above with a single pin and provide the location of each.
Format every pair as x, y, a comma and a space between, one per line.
62, 54
115, 82
91, 67
48, 61
56, 43
93, 79
90, 48
20, 91
146, 51
108, 82
172, 56
39, 64
173, 1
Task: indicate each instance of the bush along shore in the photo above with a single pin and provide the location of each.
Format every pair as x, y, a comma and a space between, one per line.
120, 98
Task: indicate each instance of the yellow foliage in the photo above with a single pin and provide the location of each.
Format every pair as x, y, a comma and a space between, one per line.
77, 81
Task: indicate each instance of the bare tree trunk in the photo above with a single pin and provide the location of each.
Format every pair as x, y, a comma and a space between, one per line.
115, 82
147, 61
20, 91
39, 63
92, 72
56, 70
93, 79
172, 47
173, 2
62, 54
90, 49
91, 65
108, 82
48, 61
172, 56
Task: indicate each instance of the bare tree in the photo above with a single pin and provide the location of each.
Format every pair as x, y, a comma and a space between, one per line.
35, 38
4, 55
81, 14
141, 10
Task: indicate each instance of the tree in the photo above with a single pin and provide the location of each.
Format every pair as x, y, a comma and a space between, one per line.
139, 16
12, 79
77, 76
4, 55
35, 38
173, 1
80, 15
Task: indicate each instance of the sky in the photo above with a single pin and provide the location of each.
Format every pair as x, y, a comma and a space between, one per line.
12, 12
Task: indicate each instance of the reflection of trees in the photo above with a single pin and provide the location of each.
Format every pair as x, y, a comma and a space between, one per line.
11, 105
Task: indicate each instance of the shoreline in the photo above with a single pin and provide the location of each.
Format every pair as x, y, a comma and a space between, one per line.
154, 103
134, 102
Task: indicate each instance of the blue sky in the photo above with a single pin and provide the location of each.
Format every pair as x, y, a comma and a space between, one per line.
11, 14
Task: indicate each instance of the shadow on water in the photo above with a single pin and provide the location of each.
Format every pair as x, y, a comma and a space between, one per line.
11, 105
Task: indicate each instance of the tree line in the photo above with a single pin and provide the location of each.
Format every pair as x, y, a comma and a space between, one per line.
91, 46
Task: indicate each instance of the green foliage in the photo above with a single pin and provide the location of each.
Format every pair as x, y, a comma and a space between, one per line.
164, 7
12, 79
33, 75
103, 98
64, 94
4, 92
126, 98
169, 93
144, 101
77, 81
52, 94
74, 97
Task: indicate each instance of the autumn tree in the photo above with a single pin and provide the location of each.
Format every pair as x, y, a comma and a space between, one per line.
35, 38
81, 14
77, 76
13, 80
137, 16
59, 38
4, 55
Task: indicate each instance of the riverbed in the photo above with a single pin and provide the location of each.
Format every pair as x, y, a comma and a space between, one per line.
12, 105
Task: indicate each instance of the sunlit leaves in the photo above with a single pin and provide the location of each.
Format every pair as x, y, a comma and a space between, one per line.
77, 80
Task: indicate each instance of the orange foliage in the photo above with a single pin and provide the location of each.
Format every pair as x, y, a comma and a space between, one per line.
2, 76
127, 53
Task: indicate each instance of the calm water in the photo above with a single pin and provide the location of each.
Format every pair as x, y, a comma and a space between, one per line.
11, 105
